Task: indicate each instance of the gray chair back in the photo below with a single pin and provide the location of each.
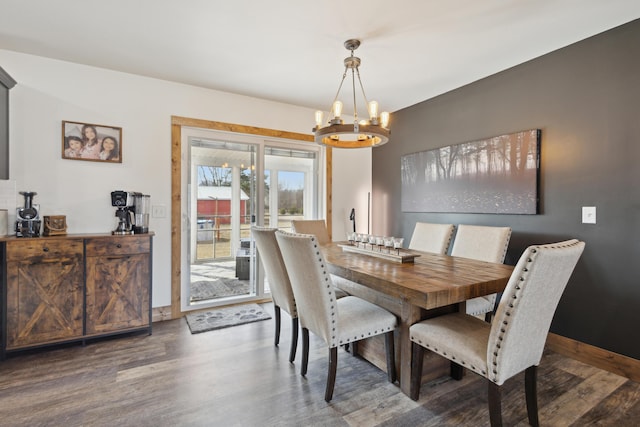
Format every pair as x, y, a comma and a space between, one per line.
484, 244
312, 285
317, 227
271, 257
523, 318
433, 238
481, 242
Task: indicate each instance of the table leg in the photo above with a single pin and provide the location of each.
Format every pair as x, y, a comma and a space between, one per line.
410, 314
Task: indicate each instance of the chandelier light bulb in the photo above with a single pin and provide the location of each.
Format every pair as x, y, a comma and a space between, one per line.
337, 109
319, 116
373, 110
384, 119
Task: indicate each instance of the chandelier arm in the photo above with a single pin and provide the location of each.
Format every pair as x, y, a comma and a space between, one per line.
353, 87
364, 95
344, 75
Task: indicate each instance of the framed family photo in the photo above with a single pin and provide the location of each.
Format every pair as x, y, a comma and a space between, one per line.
91, 142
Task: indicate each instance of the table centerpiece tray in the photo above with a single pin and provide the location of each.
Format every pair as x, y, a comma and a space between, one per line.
390, 254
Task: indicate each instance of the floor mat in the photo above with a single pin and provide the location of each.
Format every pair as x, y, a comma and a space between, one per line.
218, 288
225, 317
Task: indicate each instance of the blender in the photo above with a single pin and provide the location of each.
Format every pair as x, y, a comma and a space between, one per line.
141, 204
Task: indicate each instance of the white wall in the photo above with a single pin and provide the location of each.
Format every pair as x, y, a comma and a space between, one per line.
351, 187
50, 91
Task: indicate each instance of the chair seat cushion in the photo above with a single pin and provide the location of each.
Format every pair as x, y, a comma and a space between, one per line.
337, 280
359, 319
480, 305
460, 337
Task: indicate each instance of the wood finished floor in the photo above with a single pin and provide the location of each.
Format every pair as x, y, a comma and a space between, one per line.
236, 377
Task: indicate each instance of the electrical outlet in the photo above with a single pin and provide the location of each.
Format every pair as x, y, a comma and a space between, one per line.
588, 214
158, 211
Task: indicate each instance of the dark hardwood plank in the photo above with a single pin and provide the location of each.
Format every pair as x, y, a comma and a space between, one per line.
237, 377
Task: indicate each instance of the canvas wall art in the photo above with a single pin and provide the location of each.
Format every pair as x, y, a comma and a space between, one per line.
498, 175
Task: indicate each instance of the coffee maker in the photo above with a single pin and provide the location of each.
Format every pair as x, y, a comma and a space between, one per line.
132, 212
124, 203
28, 218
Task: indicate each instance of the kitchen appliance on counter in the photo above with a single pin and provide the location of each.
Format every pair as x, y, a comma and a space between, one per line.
132, 212
141, 205
28, 221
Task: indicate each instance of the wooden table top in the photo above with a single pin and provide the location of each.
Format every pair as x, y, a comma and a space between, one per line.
429, 282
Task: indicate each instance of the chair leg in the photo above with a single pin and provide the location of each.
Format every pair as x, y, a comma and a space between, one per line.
488, 316
417, 356
331, 374
391, 356
495, 404
456, 371
531, 393
305, 351
294, 339
276, 310
354, 348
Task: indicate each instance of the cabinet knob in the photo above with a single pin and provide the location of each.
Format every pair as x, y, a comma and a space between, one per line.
118, 246
45, 249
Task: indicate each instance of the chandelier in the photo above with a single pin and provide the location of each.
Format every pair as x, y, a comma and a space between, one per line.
362, 133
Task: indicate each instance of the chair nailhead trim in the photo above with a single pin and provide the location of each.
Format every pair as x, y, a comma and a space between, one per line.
514, 297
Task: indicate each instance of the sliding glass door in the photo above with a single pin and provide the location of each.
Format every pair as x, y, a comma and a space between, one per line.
226, 197
290, 182
222, 209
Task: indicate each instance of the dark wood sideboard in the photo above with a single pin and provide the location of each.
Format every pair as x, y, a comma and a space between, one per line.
74, 287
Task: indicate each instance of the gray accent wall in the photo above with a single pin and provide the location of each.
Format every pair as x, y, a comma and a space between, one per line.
586, 100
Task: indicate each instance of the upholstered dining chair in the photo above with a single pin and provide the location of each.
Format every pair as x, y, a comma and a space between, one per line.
336, 321
429, 237
318, 228
484, 244
514, 342
279, 283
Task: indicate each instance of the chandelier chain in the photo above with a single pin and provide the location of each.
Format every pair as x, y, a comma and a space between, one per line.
364, 95
353, 87
344, 75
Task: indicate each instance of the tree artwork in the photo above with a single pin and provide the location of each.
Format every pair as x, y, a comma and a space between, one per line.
497, 175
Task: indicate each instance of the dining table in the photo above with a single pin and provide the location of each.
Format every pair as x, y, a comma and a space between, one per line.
423, 286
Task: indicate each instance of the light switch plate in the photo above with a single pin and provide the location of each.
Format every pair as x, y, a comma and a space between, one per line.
158, 211
588, 214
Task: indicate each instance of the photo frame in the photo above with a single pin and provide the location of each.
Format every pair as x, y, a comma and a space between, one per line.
91, 142
497, 175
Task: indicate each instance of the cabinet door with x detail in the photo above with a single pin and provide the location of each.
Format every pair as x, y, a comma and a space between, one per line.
45, 286
118, 284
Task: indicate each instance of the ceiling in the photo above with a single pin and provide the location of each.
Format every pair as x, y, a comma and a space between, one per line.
292, 51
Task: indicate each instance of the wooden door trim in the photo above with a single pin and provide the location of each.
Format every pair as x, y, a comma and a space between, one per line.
177, 123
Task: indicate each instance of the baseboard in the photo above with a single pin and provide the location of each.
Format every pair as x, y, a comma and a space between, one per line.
159, 314
609, 361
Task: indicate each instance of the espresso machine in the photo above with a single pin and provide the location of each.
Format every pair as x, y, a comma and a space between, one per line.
28, 221
132, 212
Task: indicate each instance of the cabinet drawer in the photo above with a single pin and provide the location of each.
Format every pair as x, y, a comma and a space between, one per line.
118, 245
43, 249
